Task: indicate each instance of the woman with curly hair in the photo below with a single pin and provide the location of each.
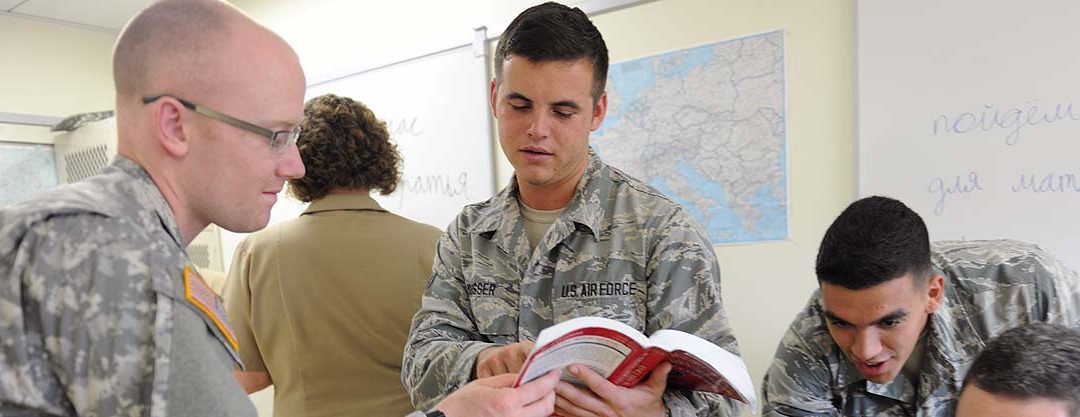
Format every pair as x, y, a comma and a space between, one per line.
322, 303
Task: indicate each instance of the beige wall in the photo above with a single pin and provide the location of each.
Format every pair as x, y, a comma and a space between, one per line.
764, 284
51, 69
331, 34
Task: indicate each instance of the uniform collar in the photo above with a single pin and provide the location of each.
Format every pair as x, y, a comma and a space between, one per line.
337, 202
951, 346
147, 195
586, 207
900, 389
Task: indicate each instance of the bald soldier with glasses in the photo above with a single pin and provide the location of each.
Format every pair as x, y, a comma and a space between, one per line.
101, 311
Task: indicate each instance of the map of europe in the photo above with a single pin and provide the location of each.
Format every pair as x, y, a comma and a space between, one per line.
707, 127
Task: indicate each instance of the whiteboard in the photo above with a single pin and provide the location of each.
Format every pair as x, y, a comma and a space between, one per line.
436, 108
967, 111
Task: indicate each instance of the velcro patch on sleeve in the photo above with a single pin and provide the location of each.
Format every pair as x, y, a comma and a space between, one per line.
199, 294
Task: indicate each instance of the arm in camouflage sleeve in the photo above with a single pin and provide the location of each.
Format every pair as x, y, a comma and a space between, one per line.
684, 294
798, 381
441, 350
86, 322
1062, 293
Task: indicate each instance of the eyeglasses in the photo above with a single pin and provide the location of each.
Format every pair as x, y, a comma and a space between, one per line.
279, 140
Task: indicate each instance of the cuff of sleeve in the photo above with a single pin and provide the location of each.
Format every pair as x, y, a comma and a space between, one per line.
466, 365
693, 403
678, 405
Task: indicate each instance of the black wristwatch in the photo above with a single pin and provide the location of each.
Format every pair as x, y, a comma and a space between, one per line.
435, 413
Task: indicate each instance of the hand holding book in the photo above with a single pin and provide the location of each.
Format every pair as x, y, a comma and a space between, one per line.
600, 397
625, 356
502, 359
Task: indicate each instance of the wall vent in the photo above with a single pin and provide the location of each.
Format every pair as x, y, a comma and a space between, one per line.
83, 151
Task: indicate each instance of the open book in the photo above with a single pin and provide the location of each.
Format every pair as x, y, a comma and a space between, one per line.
625, 357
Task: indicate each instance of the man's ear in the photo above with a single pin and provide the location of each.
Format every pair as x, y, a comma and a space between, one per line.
935, 292
168, 115
494, 98
599, 111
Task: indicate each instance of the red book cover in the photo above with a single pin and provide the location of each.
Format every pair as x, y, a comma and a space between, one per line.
625, 357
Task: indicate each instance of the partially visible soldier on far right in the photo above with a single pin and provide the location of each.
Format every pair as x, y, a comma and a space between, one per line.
898, 320
1029, 371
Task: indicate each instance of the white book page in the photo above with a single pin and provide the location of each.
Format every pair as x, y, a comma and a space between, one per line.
559, 330
726, 363
601, 353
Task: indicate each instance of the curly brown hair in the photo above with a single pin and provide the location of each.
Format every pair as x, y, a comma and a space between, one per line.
343, 145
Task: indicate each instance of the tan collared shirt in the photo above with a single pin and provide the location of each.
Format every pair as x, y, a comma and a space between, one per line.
323, 303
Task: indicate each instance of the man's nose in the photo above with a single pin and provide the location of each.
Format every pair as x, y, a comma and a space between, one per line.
289, 163
867, 344
539, 125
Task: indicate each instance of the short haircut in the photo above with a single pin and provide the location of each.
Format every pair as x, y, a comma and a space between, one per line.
170, 35
343, 146
875, 240
553, 32
1038, 360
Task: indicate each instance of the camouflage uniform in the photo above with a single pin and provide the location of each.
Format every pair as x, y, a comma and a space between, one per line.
93, 310
620, 250
990, 287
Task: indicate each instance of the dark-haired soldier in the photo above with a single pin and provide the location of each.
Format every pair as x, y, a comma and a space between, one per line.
322, 303
569, 237
897, 321
1028, 371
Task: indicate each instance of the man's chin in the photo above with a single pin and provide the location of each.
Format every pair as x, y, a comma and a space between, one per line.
881, 379
250, 226
536, 178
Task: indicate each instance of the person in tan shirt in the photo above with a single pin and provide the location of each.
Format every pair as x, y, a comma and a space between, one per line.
322, 304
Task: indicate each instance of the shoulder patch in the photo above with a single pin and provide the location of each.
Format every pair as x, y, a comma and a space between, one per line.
199, 294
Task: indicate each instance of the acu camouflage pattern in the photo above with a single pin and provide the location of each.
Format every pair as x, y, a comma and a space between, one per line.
620, 250
91, 286
990, 287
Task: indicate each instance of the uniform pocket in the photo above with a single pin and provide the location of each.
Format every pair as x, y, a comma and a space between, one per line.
494, 303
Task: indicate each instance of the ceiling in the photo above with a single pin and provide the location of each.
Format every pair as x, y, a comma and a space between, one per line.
110, 15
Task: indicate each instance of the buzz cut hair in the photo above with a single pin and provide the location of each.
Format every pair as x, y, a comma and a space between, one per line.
875, 240
167, 38
1038, 360
552, 32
